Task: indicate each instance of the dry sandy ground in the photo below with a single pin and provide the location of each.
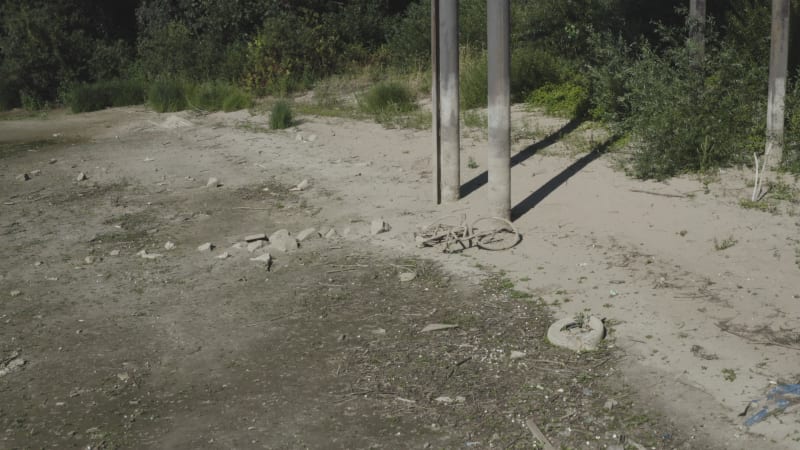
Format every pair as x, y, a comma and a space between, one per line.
703, 329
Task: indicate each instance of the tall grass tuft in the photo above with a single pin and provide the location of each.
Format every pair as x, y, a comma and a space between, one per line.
281, 115
105, 94
216, 96
388, 97
167, 96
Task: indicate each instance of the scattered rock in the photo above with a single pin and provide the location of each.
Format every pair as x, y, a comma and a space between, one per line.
255, 245
12, 365
298, 137
23, 177
379, 226
35, 172
346, 232
256, 237
15, 293
207, 247
312, 137
82, 177
460, 399
438, 327
213, 182
444, 399
224, 255
610, 404
323, 230
169, 245
379, 331
307, 234
238, 245
37, 263
146, 255
53, 161
408, 276
113, 253
516, 354
89, 260
265, 258
331, 234
301, 186
123, 376
283, 241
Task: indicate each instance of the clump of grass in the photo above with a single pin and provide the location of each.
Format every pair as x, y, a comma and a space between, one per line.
725, 244
473, 80
569, 99
216, 96
105, 94
167, 96
475, 119
388, 97
281, 115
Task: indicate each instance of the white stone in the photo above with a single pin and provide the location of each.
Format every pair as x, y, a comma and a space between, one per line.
331, 234
224, 255
565, 333
207, 247
265, 258
516, 354
407, 276
379, 226
312, 137
301, 186
113, 253
145, 255
283, 241
81, 177
307, 234
255, 245
23, 177
169, 245
213, 182
610, 404
89, 260
255, 237
15, 293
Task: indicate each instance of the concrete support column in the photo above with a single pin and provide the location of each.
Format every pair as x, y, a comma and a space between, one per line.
697, 22
499, 37
445, 99
778, 70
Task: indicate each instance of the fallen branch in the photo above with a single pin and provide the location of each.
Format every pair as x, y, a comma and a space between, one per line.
537, 433
658, 193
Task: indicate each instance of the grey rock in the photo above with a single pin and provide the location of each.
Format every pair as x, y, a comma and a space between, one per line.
565, 333
224, 255
265, 258
307, 234
331, 234
407, 276
516, 354
145, 255
303, 185
169, 245
23, 177
89, 259
113, 253
15, 293
283, 241
207, 247
82, 177
610, 404
255, 245
256, 237
379, 226
213, 182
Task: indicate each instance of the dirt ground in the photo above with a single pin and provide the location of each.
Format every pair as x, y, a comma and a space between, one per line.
325, 348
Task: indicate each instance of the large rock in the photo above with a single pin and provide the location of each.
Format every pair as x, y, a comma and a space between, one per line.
379, 226
307, 234
283, 241
577, 335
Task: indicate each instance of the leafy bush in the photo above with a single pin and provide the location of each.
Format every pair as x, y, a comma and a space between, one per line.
532, 68
281, 115
567, 99
388, 97
216, 96
690, 117
792, 132
168, 95
104, 94
9, 94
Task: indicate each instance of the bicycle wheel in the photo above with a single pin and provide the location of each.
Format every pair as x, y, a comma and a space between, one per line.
494, 233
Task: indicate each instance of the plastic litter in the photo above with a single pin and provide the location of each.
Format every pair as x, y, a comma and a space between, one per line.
778, 399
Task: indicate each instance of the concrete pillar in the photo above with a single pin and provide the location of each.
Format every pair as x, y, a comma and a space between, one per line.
697, 22
778, 70
447, 104
499, 37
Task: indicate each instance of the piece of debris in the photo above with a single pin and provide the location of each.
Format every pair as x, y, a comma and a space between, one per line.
438, 327
113, 253
23, 177
537, 433
255, 245
123, 376
312, 137
516, 354
331, 234
777, 400
15, 293
35, 172
610, 404
207, 247
146, 255
283, 241
407, 276
37, 263
169, 245
53, 161
444, 399
213, 182
300, 186
379, 226
89, 259
256, 237
82, 177
224, 255
11, 364
149, 159
308, 233
578, 334
378, 331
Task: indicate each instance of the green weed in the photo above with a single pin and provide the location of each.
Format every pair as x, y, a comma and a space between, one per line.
280, 116
167, 96
105, 94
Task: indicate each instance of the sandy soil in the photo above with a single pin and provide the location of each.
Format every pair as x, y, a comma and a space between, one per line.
701, 295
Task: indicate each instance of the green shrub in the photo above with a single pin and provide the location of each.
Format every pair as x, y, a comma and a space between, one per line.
532, 68
9, 94
236, 100
281, 115
388, 97
569, 99
105, 94
216, 96
792, 133
474, 80
167, 96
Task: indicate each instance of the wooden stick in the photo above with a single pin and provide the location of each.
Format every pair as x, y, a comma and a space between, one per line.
537, 433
